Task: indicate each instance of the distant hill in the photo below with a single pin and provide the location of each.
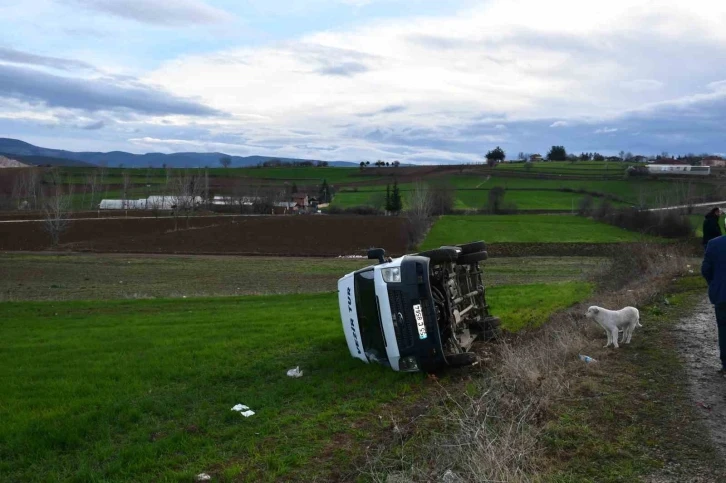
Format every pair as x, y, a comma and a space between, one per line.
19, 149
11, 163
31, 160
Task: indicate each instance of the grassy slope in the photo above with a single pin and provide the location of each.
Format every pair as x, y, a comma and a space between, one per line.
124, 389
473, 192
110, 276
542, 300
630, 414
524, 200
142, 390
525, 228
470, 199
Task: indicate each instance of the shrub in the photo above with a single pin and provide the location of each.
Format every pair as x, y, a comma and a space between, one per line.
587, 204
667, 223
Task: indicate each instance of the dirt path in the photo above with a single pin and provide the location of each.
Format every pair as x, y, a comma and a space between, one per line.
488, 178
698, 345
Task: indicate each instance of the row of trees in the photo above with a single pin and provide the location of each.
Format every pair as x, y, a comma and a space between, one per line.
380, 164
226, 162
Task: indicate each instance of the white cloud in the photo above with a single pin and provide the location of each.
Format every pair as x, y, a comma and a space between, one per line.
424, 87
159, 12
642, 85
717, 86
606, 130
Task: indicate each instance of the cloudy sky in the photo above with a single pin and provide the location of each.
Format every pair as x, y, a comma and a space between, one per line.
414, 80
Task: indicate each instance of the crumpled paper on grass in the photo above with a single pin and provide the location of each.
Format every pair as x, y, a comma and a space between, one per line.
243, 410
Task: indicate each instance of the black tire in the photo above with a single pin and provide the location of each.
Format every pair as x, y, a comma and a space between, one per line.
472, 258
473, 247
462, 360
440, 255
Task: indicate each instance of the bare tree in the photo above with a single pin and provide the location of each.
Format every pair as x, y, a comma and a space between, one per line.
126, 187
205, 188
240, 196
27, 189
419, 210
56, 209
265, 199
92, 187
147, 182
187, 188
17, 194
102, 175
443, 197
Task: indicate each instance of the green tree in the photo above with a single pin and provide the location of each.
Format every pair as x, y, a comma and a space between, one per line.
557, 153
396, 201
598, 157
496, 199
325, 193
496, 155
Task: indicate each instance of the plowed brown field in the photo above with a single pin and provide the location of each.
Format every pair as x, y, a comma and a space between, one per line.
244, 235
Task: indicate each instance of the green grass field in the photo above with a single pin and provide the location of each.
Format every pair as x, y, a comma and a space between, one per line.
634, 191
525, 228
472, 192
158, 175
523, 200
542, 300
142, 390
471, 199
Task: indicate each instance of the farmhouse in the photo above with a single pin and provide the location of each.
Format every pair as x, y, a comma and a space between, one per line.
284, 207
669, 161
713, 161
301, 199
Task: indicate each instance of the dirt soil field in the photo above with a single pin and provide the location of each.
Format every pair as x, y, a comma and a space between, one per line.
92, 276
323, 236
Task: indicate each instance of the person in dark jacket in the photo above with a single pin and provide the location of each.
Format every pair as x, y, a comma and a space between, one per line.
713, 270
711, 226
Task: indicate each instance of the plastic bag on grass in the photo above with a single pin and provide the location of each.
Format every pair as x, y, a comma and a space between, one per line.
296, 372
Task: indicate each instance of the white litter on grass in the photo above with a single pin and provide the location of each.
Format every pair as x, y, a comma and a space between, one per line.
203, 477
243, 410
296, 372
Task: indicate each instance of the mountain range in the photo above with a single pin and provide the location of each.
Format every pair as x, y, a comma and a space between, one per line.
30, 154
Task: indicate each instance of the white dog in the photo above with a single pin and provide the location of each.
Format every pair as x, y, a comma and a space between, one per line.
613, 321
